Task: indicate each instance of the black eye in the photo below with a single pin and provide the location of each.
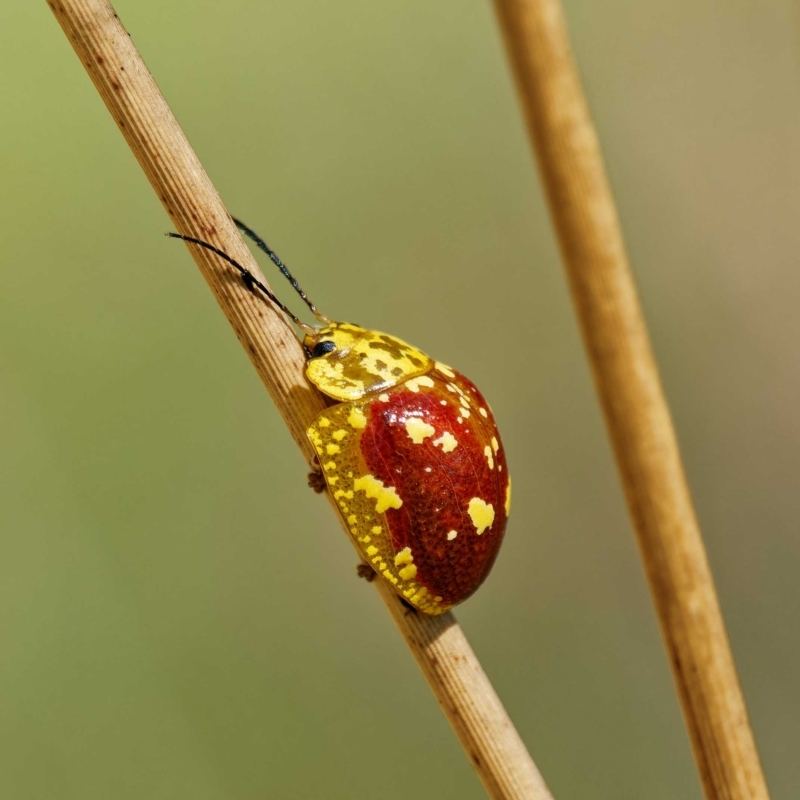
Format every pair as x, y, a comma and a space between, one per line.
321, 348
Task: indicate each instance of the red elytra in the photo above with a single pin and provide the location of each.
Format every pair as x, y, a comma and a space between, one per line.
436, 487
420, 478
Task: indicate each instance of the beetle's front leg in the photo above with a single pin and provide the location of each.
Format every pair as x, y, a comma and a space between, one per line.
316, 478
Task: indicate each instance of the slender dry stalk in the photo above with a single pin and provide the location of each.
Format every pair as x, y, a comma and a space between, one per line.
437, 643
629, 386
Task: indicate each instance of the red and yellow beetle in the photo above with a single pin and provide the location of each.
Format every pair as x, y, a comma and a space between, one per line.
409, 451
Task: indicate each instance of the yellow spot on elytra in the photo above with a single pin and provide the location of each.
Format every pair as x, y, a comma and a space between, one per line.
323, 422
357, 419
495, 444
389, 577
415, 383
418, 430
408, 592
332, 479
377, 530
338, 493
371, 550
452, 535
365, 539
447, 442
508, 497
329, 466
352, 519
386, 497
375, 559
445, 370
408, 573
484, 412
339, 435
332, 449
403, 557
464, 412
384, 398
481, 513
487, 451
382, 565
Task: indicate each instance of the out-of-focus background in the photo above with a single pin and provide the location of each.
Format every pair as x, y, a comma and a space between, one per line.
179, 614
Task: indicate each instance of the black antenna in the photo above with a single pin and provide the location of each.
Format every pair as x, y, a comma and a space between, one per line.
262, 245
250, 280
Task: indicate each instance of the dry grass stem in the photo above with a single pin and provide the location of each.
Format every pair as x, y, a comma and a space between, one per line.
153, 134
636, 412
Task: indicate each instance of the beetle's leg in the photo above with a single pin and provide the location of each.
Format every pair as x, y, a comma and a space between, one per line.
366, 572
409, 608
316, 480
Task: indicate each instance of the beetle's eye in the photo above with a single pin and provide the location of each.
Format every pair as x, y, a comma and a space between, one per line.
321, 348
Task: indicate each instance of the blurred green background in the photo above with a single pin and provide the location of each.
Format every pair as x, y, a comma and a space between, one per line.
179, 614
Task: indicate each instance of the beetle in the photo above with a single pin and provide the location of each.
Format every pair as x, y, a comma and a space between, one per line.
409, 450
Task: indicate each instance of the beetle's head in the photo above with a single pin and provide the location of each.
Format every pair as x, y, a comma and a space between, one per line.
348, 362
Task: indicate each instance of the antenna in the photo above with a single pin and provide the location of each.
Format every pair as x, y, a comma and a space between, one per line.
250, 280
262, 245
